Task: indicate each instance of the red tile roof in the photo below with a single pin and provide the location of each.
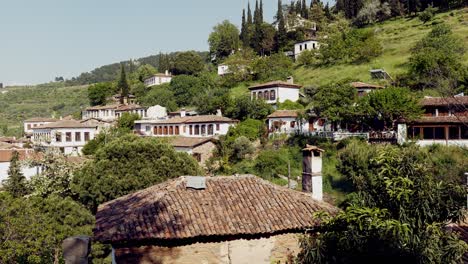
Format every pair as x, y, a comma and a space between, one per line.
228, 206
191, 119
41, 119
283, 113
366, 85
189, 142
441, 101
442, 119
64, 124
117, 107
275, 84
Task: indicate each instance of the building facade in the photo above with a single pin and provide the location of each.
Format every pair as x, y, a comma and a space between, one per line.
187, 126
68, 135
112, 112
201, 149
31, 123
275, 92
305, 45
158, 79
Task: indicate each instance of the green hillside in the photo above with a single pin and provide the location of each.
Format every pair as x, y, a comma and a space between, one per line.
397, 37
48, 100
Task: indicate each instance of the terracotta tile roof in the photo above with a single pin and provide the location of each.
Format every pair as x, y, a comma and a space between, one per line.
442, 119
441, 101
228, 206
283, 113
190, 119
102, 107
275, 84
117, 107
366, 85
129, 107
189, 142
41, 119
64, 124
7, 153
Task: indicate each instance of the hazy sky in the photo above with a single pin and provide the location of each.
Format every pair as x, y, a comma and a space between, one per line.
42, 39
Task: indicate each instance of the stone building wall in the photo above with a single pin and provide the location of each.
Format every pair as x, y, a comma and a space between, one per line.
205, 150
276, 249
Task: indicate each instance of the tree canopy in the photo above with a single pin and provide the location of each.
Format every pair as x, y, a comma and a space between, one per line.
224, 40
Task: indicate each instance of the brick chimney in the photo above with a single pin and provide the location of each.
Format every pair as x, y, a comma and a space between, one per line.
183, 113
312, 171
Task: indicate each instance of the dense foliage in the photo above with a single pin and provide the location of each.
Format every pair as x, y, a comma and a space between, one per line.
15, 184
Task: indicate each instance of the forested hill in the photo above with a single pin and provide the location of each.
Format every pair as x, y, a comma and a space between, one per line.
110, 72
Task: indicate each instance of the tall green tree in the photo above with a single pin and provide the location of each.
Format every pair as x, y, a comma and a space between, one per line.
99, 92
223, 40
122, 84
127, 164
15, 184
244, 35
281, 35
189, 62
304, 10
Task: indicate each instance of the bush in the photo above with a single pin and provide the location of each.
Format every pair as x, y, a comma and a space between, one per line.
275, 67
428, 13
242, 147
308, 58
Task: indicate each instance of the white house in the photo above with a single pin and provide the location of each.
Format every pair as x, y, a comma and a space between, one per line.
68, 135
305, 45
187, 126
288, 122
277, 91
223, 69
158, 79
112, 112
29, 124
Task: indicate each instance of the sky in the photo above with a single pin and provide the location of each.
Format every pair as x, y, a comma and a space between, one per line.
43, 39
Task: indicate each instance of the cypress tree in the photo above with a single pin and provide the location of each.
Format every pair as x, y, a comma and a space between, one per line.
304, 10
249, 16
256, 14
260, 12
244, 35
292, 8
15, 184
122, 85
282, 33
327, 11
298, 7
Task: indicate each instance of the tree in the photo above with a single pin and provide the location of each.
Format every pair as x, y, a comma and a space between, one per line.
212, 100
127, 121
188, 62
15, 184
186, 88
281, 35
397, 214
224, 40
160, 95
304, 10
372, 12
32, 229
122, 84
128, 164
389, 105
143, 72
99, 92
267, 37
242, 147
277, 66
437, 61
244, 34
244, 108
240, 67
427, 14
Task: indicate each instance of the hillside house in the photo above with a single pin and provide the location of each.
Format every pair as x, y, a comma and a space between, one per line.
234, 219
187, 126
67, 135
30, 123
445, 121
305, 45
6, 152
288, 122
112, 112
200, 148
277, 91
158, 79
365, 88
223, 69
130, 99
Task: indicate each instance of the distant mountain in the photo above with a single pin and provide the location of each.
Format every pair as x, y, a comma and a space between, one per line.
110, 72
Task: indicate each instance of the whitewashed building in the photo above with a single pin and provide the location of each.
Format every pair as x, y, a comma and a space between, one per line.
67, 135
30, 123
158, 79
305, 45
289, 122
112, 112
223, 69
187, 126
274, 92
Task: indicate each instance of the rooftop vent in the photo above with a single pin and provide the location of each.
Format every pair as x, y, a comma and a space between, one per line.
196, 182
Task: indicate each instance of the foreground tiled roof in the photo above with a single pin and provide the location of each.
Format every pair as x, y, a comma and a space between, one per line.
366, 85
41, 119
229, 206
283, 113
442, 119
190, 119
275, 84
441, 101
64, 124
189, 142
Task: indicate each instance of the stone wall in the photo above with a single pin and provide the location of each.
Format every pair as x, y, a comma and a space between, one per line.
205, 150
276, 249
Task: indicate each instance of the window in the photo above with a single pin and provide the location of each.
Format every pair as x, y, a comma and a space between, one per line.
305, 46
160, 130
58, 137
77, 136
260, 95
203, 129
454, 133
293, 124
190, 130
313, 45
165, 130
300, 47
217, 127
171, 130
210, 130
155, 131
272, 95
464, 132
177, 130
148, 128
86, 136
197, 130
439, 133
266, 95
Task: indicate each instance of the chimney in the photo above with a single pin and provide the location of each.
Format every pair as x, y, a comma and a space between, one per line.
290, 80
167, 72
312, 171
182, 112
219, 112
